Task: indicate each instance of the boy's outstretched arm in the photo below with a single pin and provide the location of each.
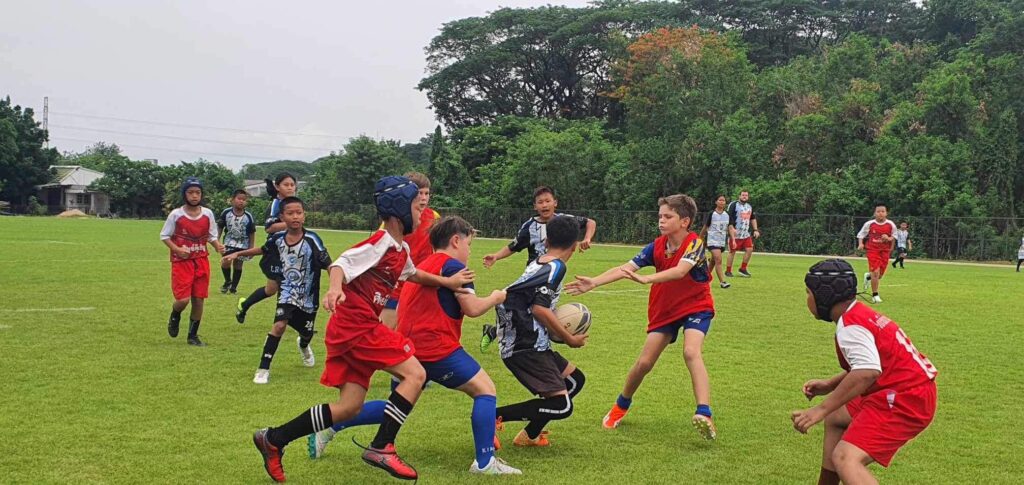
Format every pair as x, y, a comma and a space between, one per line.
853, 384
584, 284
502, 253
474, 306
676, 272
588, 236
453, 282
248, 252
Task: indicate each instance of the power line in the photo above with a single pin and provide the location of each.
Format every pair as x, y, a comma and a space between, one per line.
184, 125
205, 140
175, 150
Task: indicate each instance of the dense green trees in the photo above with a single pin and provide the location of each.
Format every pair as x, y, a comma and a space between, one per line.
24, 163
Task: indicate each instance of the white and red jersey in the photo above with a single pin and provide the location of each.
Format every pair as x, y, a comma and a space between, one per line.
189, 233
372, 270
873, 231
866, 339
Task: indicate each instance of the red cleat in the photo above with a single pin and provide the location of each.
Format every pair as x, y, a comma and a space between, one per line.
389, 461
271, 455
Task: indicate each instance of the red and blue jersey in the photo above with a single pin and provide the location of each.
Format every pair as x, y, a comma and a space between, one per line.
673, 300
429, 316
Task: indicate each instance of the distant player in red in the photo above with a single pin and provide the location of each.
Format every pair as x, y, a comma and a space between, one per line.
885, 395
876, 238
680, 302
418, 241
358, 344
186, 233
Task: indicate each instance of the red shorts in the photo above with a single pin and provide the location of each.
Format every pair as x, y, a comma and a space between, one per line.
886, 420
742, 244
355, 360
190, 278
878, 261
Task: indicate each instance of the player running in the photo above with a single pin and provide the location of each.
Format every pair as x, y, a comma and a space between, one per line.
186, 233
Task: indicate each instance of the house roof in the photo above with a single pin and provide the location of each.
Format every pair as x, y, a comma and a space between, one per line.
73, 175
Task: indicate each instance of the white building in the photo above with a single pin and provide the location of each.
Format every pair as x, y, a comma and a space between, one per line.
70, 190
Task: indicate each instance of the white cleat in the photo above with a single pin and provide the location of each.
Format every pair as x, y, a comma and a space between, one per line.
318, 442
876, 299
308, 359
496, 466
262, 376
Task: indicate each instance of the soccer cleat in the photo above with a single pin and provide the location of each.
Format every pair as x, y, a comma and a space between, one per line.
705, 427
224, 288
308, 359
728, 274
489, 334
744, 273
262, 376
318, 442
195, 342
611, 420
724, 284
233, 290
240, 311
271, 455
876, 299
498, 426
522, 439
496, 466
173, 324
390, 462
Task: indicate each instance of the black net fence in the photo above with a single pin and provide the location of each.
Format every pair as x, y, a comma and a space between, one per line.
950, 238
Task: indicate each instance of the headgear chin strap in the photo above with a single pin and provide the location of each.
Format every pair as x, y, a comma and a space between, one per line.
188, 184
831, 281
393, 196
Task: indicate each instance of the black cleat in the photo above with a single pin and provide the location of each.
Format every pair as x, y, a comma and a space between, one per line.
172, 325
196, 342
728, 274
744, 273
224, 289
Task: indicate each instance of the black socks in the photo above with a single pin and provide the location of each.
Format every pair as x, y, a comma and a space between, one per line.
318, 418
396, 410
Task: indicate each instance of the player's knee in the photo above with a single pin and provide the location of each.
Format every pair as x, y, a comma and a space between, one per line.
182, 302
692, 353
643, 365
558, 407
575, 382
278, 329
843, 457
414, 374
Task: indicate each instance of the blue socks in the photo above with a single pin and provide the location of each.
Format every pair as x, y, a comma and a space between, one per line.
703, 410
623, 402
483, 428
372, 413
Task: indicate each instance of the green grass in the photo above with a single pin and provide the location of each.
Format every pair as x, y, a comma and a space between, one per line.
103, 395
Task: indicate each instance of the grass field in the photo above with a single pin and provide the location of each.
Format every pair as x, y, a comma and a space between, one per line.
92, 389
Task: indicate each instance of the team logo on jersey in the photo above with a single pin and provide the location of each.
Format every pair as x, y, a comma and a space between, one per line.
379, 299
280, 312
544, 290
890, 397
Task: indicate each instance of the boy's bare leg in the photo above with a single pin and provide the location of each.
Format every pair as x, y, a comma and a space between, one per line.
693, 341
852, 464
653, 347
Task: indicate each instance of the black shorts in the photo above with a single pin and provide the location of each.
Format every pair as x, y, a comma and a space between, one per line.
303, 322
901, 250
538, 372
720, 248
270, 264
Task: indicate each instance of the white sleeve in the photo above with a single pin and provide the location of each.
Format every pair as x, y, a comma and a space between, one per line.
864, 230
214, 232
356, 261
409, 269
168, 230
892, 225
858, 347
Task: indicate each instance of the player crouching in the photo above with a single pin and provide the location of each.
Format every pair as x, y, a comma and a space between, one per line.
885, 395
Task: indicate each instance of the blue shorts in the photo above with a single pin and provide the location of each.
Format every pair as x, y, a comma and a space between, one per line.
452, 371
697, 321
391, 304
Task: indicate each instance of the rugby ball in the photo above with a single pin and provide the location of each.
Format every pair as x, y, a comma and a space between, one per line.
575, 317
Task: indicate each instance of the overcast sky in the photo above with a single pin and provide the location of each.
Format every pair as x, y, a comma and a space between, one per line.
123, 71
